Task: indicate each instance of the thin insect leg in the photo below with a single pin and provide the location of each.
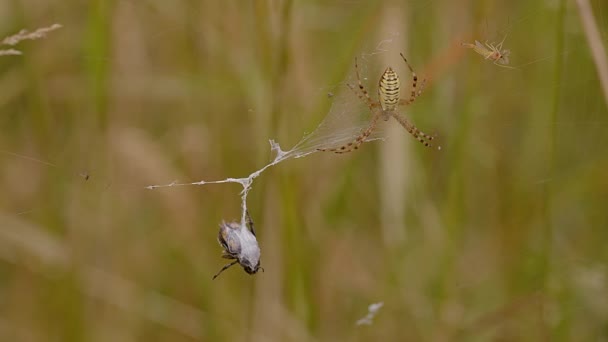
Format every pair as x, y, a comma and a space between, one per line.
224, 268
410, 128
499, 46
502, 65
492, 54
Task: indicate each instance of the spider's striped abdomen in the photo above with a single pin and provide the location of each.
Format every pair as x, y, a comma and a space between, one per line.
388, 90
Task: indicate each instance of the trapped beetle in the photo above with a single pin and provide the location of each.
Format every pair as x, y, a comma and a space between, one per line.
239, 242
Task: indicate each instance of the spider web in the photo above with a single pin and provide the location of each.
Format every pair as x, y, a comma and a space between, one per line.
349, 115
345, 121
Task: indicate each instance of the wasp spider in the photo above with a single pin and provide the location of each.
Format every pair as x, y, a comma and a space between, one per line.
386, 106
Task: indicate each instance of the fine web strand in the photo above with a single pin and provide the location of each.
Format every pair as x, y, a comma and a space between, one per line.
347, 118
350, 113
245, 182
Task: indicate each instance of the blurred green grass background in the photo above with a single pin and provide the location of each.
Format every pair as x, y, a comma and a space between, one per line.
501, 235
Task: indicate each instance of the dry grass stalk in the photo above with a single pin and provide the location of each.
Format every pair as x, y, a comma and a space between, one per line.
595, 44
25, 35
10, 52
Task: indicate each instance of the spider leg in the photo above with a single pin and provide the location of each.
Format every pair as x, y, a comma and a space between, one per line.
364, 96
407, 102
361, 87
414, 92
353, 145
224, 268
360, 139
411, 129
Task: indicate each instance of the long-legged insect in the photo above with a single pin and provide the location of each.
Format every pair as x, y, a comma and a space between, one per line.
240, 243
388, 102
495, 53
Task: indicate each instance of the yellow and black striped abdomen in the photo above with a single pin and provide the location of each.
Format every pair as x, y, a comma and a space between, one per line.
388, 90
